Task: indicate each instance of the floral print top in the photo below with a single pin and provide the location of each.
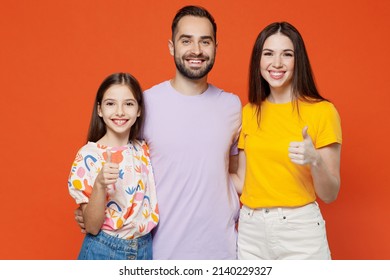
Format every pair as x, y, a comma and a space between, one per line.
131, 209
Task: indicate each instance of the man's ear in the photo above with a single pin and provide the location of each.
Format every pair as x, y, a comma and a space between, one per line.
171, 47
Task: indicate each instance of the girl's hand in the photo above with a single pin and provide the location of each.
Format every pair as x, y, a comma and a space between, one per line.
109, 173
304, 152
78, 215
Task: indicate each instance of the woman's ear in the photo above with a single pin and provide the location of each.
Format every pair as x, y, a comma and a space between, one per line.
99, 110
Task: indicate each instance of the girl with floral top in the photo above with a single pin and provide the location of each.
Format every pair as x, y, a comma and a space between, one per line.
112, 177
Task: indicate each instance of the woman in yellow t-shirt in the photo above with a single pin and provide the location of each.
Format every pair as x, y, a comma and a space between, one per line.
290, 147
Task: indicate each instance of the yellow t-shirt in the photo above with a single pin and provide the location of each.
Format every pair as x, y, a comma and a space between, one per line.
271, 179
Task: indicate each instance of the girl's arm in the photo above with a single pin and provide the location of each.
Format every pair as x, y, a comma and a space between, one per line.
324, 165
237, 169
78, 216
94, 210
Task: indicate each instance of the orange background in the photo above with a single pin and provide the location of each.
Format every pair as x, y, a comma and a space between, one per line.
54, 55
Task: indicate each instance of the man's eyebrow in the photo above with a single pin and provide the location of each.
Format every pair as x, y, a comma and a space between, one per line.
207, 38
186, 36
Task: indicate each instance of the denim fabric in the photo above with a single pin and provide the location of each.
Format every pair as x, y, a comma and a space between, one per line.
106, 247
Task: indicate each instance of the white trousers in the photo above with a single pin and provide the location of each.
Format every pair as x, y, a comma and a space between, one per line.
282, 233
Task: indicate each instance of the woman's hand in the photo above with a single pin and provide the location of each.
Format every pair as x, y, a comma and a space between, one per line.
303, 152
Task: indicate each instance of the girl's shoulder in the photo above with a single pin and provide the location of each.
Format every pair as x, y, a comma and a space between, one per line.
139, 145
90, 148
89, 152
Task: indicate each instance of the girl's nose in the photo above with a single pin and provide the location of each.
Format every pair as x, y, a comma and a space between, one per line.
119, 111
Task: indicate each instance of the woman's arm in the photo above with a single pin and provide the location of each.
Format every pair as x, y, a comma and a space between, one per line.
324, 165
326, 172
237, 169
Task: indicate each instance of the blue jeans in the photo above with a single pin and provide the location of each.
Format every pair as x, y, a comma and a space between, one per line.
106, 247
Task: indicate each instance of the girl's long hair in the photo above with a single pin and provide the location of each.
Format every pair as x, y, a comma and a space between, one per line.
97, 127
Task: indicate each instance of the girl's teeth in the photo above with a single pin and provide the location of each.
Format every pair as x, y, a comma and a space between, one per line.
119, 122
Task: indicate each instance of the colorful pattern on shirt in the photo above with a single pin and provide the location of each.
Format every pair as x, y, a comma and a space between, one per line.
131, 208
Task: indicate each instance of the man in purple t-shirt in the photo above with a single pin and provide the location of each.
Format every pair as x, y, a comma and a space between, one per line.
191, 128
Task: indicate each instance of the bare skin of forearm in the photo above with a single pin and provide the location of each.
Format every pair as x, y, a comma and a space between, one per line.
325, 171
237, 170
324, 165
94, 210
237, 183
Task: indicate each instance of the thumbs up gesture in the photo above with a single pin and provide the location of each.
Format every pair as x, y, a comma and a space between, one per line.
303, 152
109, 173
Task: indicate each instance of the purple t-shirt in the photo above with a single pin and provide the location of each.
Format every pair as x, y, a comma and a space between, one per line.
190, 140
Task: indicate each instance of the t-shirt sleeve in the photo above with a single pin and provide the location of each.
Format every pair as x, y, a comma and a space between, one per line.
148, 165
234, 147
241, 139
150, 183
82, 176
237, 127
329, 128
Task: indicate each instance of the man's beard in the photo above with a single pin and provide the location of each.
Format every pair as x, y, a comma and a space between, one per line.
194, 74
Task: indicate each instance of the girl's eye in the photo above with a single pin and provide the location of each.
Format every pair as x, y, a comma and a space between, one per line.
130, 104
267, 53
289, 54
109, 103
